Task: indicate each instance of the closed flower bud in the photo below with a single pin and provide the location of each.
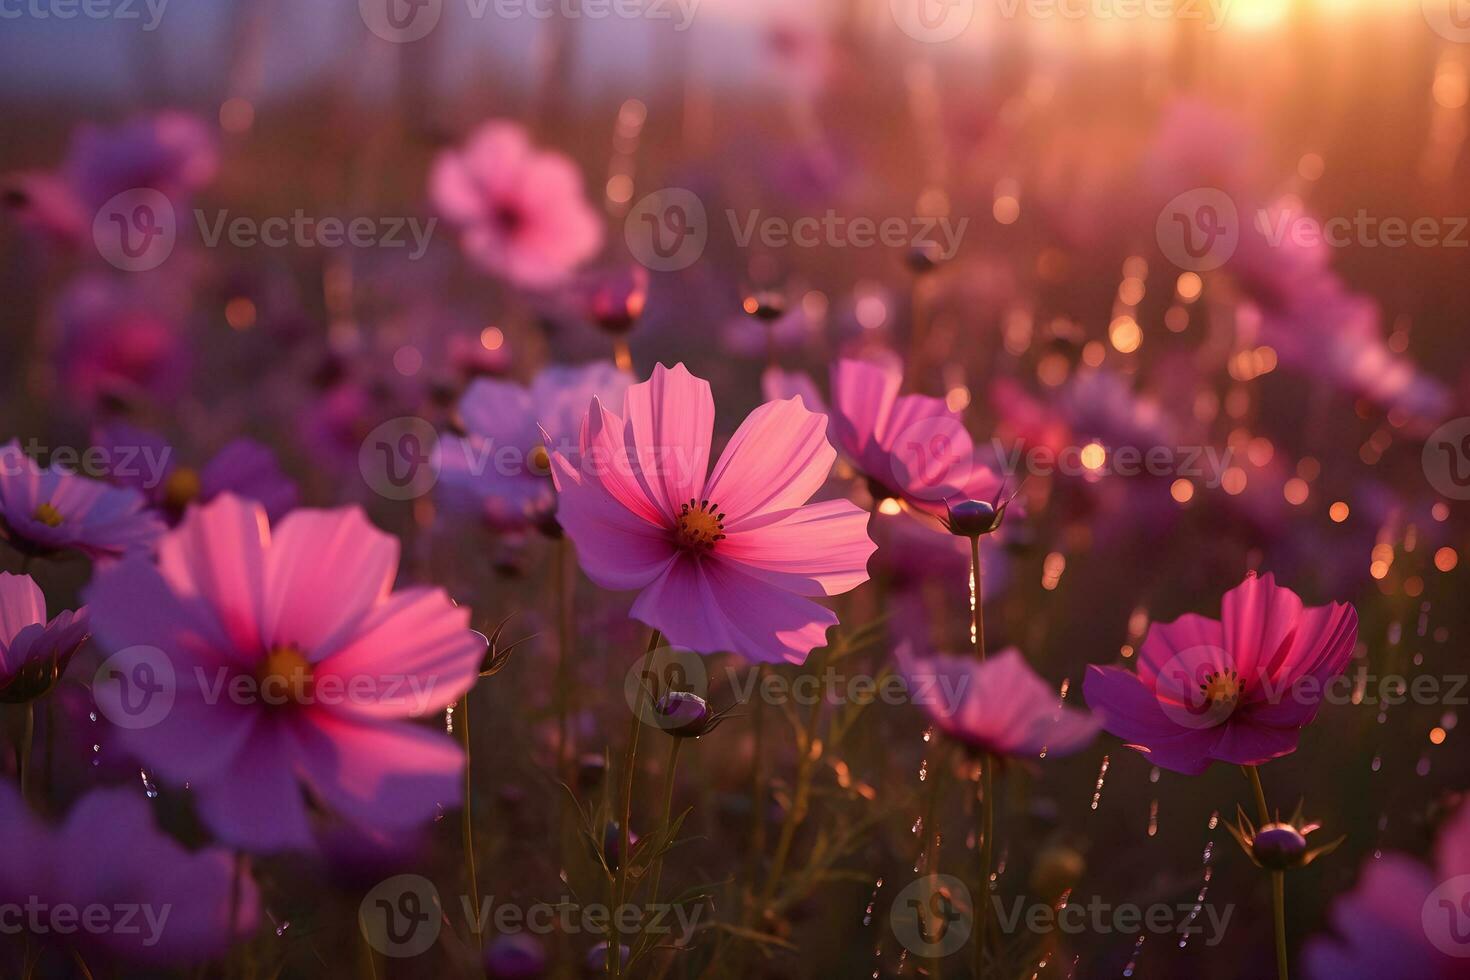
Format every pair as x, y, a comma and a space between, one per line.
684, 713
1279, 846
972, 518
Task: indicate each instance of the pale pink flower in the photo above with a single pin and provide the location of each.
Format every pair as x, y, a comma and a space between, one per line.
723, 561
521, 212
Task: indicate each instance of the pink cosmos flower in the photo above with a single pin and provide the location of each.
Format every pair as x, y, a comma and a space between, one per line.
294, 666
996, 705
108, 853
33, 652
521, 211
46, 508
914, 448
500, 470
723, 561
1237, 690
1404, 921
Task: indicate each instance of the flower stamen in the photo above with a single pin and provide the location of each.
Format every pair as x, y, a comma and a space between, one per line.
700, 525
284, 676
48, 515
1222, 688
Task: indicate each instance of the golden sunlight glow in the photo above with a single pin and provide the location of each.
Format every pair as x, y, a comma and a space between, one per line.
1125, 334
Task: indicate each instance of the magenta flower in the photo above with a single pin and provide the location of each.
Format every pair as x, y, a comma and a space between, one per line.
45, 509
144, 461
996, 705
293, 664
1236, 691
109, 856
913, 448
499, 470
33, 652
521, 212
723, 561
1405, 920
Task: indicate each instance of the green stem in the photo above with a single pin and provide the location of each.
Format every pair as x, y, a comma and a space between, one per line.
620, 877
27, 737
467, 819
658, 862
977, 616
566, 577
987, 852
1278, 878
797, 812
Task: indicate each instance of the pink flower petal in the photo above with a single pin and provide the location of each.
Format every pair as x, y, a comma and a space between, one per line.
820, 549
862, 398
416, 652
669, 422
21, 605
776, 460
324, 571
256, 804
218, 554
618, 548
1258, 619
382, 775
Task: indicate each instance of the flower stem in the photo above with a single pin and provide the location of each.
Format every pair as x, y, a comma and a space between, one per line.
566, 585
27, 736
977, 599
987, 852
1278, 878
658, 862
467, 818
620, 877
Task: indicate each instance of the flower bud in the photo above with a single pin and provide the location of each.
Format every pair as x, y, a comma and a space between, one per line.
972, 518
683, 714
1279, 846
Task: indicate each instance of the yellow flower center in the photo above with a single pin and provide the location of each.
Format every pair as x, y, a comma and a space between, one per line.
284, 676
540, 461
699, 526
1222, 688
48, 515
181, 488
